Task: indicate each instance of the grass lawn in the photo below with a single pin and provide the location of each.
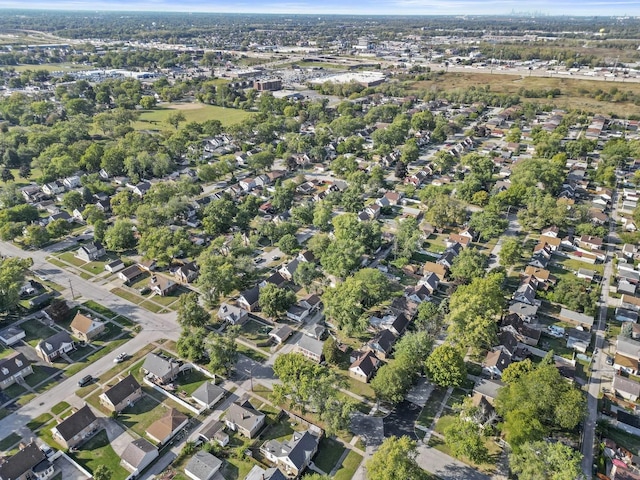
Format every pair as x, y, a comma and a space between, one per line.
145, 411
251, 353
6, 351
39, 421
443, 422
14, 391
156, 119
131, 297
236, 469
96, 307
152, 307
50, 67
35, 331
106, 348
97, 451
329, 452
191, 381
255, 332
575, 265
349, 466
432, 407
58, 408
488, 467
38, 375
9, 441
70, 257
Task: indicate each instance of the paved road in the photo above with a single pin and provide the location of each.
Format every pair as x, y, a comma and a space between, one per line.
154, 327
512, 230
598, 362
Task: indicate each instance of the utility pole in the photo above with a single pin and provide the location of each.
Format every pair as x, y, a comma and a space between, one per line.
73, 296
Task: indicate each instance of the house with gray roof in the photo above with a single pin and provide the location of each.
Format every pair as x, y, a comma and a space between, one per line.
138, 455
76, 428
55, 346
232, 314
13, 369
527, 312
292, 455
208, 394
123, 394
242, 417
586, 321
202, 466
310, 348
29, 462
161, 369
214, 431
579, 340
627, 388
259, 473
628, 347
488, 389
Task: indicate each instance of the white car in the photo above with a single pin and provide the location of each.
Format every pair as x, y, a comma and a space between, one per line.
120, 358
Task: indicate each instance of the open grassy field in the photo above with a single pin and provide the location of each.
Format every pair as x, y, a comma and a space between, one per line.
51, 67
156, 119
572, 95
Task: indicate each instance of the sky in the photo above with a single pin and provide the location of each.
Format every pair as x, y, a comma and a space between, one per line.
365, 7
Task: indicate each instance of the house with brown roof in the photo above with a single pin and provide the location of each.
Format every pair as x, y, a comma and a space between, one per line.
163, 429
364, 367
76, 428
440, 270
457, 238
162, 286
121, 395
495, 363
542, 275
86, 328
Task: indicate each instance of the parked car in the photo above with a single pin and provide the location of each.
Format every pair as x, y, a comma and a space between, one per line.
86, 380
120, 358
609, 360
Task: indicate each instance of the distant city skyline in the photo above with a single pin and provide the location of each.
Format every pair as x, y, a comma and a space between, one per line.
360, 7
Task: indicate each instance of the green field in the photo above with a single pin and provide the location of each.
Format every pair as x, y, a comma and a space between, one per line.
156, 119
50, 67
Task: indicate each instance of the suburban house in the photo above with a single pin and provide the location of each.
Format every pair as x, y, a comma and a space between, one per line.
91, 251
626, 387
86, 328
310, 348
243, 418
160, 369
12, 335
259, 473
280, 333
579, 340
55, 346
626, 315
249, 299
585, 321
114, 266
208, 394
628, 347
214, 431
487, 389
76, 428
129, 274
121, 395
526, 312
232, 314
364, 367
28, 463
292, 455
166, 427
521, 330
495, 362
13, 369
626, 364
202, 466
382, 344
162, 286
440, 270
138, 455
186, 273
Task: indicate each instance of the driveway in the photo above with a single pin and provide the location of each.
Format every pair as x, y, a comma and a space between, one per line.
420, 393
68, 470
118, 437
401, 422
445, 467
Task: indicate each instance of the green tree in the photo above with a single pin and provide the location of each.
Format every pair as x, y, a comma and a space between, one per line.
444, 211
546, 460
330, 350
148, 102
275, 301
288, 244
429, 318
408, 238
73, 200
58, 228
469, 264
191, 344
488, 223
218, 276
163, 244
391, 383
36, 236
446, 366
395, 459
510, 252
12, 276
322, 215
175, 119
190, 312
223, 351
102, 472
305, 274
464, 439
120, 236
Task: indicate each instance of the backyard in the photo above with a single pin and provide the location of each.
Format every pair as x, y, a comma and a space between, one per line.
97, 451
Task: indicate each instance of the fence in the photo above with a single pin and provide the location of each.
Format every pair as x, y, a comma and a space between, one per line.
174, 397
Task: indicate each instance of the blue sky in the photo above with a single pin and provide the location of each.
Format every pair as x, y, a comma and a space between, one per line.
398, 7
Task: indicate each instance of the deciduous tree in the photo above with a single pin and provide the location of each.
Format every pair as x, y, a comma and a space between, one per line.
446, 366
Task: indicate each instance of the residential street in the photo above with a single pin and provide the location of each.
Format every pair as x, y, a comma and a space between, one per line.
512, 230
598, 362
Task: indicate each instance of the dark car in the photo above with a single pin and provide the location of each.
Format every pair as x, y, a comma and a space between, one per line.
86, 380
